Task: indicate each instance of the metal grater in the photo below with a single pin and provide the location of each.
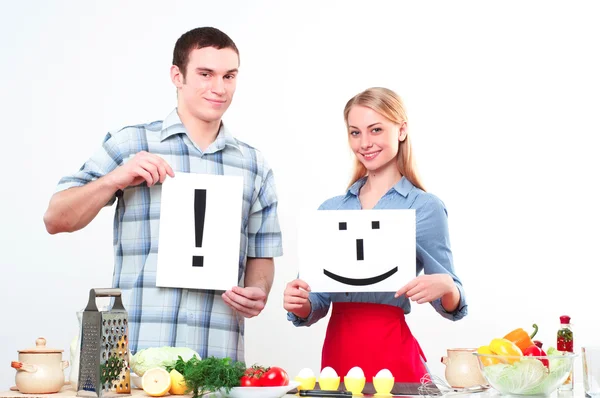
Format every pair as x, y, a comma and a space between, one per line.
104, 359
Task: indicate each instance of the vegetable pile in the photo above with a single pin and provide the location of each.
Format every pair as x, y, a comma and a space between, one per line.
521, 366
210, 374
181, 371
158, 357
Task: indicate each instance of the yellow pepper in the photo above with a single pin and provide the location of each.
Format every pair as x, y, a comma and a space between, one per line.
505, 347
487, 361
521, 338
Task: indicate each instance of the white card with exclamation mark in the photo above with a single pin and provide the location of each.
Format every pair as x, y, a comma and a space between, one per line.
357, 250
199, 235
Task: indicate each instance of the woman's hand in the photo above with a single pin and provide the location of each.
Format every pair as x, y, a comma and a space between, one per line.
295, 298
427, 288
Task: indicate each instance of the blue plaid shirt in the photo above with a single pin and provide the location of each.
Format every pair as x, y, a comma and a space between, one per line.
198, 319
434, 255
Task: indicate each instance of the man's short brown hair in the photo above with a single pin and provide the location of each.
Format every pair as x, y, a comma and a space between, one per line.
196, 39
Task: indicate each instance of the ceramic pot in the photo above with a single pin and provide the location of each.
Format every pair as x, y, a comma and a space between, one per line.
40, 370
462, 368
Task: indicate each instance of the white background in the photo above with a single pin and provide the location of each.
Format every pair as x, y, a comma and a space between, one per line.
503, 106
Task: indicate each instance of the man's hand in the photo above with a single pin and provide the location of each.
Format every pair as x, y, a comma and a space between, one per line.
248, 301
142, 167
427, 288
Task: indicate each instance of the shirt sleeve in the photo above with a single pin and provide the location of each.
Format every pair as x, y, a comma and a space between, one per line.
320, 303
434, 255
264, 234
107, 158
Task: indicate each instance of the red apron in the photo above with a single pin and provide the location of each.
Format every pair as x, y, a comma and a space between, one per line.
373, 337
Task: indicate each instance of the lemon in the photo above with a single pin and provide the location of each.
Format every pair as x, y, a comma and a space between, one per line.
178, 386
156, 382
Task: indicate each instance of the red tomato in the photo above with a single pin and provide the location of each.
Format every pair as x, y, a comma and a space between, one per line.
251, 377
249, 381
274, 377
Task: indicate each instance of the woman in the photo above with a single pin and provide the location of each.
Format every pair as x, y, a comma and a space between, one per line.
384, 177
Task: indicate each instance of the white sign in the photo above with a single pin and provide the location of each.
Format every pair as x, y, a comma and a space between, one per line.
357, 250
199, 239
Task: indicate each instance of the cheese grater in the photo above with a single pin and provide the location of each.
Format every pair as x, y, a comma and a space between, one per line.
104, 359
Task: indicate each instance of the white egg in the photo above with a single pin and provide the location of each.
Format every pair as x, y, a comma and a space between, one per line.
384, 373
328, 373
306, 373
356, 373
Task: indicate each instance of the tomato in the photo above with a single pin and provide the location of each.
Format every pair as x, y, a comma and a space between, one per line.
249, 381
251, 377
274, 377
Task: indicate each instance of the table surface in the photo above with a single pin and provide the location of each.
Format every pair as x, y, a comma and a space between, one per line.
68, 391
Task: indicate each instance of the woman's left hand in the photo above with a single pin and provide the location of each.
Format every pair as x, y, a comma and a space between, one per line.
427, 288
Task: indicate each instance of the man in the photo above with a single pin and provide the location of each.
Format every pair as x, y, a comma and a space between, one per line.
131, 166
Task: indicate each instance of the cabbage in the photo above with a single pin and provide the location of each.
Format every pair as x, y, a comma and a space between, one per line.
559, 372
159, 357
553, 352
528, 376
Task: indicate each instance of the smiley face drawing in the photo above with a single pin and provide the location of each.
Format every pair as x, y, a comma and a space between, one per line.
360, 256
354, 251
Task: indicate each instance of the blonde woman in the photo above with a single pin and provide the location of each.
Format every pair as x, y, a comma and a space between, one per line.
384, 177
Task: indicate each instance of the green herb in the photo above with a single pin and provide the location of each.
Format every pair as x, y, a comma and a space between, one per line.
210, 374
180, 364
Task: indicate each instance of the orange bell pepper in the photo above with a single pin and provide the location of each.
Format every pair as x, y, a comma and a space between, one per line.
521, 338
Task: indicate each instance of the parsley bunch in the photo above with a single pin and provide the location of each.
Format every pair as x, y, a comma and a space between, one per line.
209, 374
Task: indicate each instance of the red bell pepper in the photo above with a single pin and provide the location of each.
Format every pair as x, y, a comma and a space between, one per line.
535, 350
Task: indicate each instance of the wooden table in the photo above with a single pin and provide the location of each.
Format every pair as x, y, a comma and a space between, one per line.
68, 391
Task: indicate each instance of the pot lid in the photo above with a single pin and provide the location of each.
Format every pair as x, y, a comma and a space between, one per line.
40, 348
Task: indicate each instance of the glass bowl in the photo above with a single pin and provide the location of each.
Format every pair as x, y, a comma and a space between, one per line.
526, 375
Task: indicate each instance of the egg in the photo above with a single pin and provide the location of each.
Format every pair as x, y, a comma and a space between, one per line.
356, 372
355, 380
328, 373
384, 374
383, 382
306, 373
306, 378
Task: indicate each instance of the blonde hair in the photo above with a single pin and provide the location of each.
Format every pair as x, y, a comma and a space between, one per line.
388, 104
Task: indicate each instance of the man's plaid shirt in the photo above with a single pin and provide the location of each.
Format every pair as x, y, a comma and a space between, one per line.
198, 319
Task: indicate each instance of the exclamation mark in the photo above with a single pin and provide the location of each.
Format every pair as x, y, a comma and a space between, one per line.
199, 213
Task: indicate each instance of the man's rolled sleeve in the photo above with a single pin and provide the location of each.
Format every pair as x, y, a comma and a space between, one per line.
264, 234
103, 161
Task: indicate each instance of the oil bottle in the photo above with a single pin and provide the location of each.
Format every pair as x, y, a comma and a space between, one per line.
564, 343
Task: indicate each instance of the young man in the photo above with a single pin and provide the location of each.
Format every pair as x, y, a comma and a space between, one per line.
130, 167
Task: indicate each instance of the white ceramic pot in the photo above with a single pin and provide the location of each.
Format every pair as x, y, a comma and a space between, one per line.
462, 368
40, 370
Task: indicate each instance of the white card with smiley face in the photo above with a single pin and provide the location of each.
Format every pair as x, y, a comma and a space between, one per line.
357, 250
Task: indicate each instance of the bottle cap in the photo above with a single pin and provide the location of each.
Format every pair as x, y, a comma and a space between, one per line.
565, 319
